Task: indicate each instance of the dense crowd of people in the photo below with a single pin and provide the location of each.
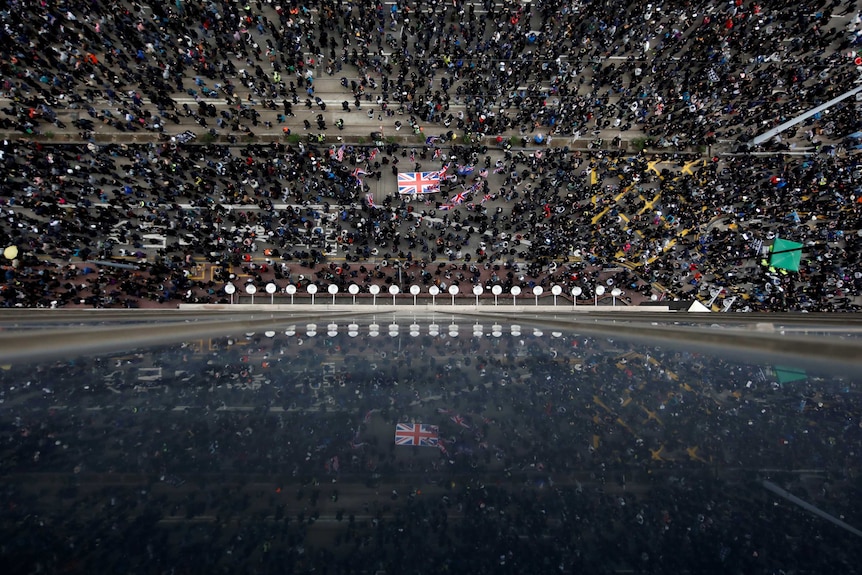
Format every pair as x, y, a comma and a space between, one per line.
499, 83
153, 152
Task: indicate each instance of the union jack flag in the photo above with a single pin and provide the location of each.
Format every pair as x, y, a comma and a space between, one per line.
416, 434
339, 155
483, 173
458, 198
445, 207
373, 154
418, 182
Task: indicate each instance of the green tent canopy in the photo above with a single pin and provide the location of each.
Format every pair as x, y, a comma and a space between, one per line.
786, 255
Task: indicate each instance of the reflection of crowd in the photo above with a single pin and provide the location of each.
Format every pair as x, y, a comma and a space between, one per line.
551, 448
687, 76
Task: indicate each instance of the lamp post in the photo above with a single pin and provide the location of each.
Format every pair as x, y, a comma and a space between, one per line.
230, 289
375, 289
251, 289
496, 290
271, 288
332, 289
434, 290
576, 291
353, 289
537, 291
393, 289
477, 291
311, 289
556, 290
515, 291
414, 291
453, 291
291, 291
615, 293
600, 291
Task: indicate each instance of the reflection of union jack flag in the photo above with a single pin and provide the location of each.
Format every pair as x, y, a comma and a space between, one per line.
416, 434
460, 421
418, 182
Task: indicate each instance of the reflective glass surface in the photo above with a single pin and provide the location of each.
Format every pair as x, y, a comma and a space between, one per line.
550, 448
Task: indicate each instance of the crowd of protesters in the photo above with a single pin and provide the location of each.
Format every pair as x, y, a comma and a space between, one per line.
506, 78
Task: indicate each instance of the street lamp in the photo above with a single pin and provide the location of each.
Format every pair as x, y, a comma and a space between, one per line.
311, 289
537, 291
375, 289
576, 291
332, 289
434, 290
291, 291
615, 293
453, 291
393, 289
515, 291
414, 291
353, 289
600, 291
251, 289
477, 291
230, 289
271, 288
556, 290
496, 290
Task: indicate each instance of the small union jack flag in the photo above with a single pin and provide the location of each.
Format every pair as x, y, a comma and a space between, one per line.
458, 198
370, 199
460, 421
416, 434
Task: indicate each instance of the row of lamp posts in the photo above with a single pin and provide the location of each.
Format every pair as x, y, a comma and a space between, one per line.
453, 290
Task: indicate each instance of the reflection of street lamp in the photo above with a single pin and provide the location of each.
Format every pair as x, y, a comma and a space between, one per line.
230, 289
537, 291
251, 289
615, 293
332, 289
393, 289
515, 291
353, 289
496, 290
291, 290
375, 289
477, 291
311, 289
434, 290
453, 291
600, 291
576, 291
